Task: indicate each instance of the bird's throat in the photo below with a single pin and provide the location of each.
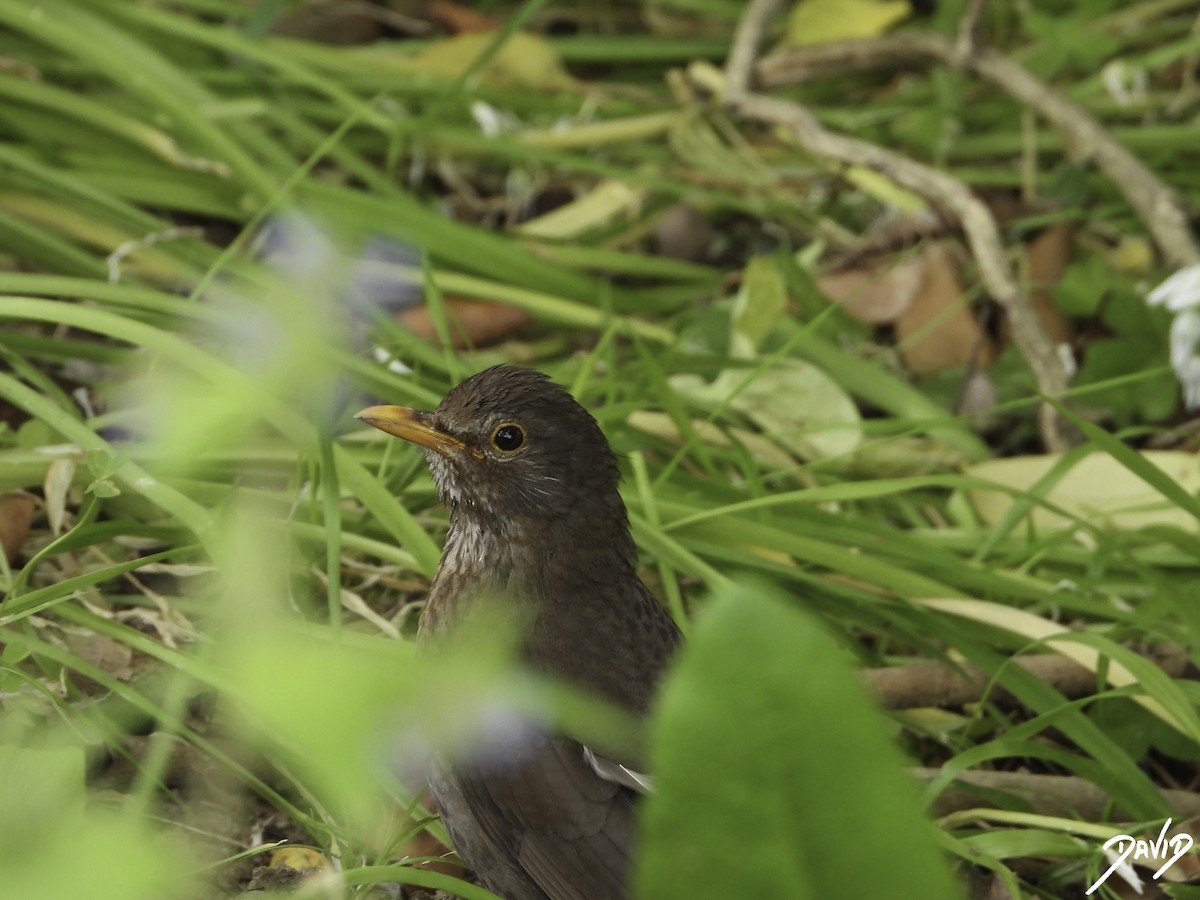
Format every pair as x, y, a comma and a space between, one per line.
528, 569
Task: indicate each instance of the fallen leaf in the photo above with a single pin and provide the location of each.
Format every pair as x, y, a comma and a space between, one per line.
60, 474
819, 21
937, 330
1187, 869
661, 425
1047, 259
1097, 489
300, 858
875, 293
338, 24
104, 653
523, 61
472, 323
607, 202
795, 404
16, 515
461, 19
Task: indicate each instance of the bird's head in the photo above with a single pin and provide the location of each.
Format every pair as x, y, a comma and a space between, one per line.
509, 447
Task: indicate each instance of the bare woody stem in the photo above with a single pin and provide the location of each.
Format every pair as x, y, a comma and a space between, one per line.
1163, 212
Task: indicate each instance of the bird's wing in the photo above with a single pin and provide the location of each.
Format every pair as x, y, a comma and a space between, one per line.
611, 770
569, 830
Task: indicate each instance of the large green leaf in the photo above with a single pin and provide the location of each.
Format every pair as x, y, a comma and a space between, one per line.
52, 844
771, 760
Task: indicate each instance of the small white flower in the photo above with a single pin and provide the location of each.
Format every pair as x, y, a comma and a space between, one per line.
1180, 291
489, 119
384, 356
1180, 294
1066, 356
1126, 84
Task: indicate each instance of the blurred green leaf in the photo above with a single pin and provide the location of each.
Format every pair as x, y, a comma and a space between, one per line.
760, 302
53, 845
771, 759
1131, 378
1083, 287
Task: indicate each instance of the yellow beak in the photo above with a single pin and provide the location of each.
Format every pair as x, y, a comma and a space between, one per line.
414, 425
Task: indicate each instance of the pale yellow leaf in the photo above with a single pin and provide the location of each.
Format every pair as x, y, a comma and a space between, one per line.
60, 474
885, 190
819, 21
662, 426
522, 61
795, 404
1097, 489
607, 202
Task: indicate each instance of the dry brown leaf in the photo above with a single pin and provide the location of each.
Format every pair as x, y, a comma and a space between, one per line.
473, 323
875, 293
1047, 258
938, 330
109, 655
16, 515
460, 19
338, 24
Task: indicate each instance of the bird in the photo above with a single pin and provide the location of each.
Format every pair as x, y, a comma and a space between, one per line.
536, 519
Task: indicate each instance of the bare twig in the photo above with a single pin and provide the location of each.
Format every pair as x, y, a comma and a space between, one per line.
968, 27
1159, 206
1049, 795
978, 225
938, 685
746, 39
942, 190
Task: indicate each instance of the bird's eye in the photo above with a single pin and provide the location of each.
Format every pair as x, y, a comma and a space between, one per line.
508, 437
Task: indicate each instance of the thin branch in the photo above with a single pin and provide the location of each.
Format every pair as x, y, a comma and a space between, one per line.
933, 684
1064, 796
968, 26
942, 190
955, 198
1160, 207
746, 40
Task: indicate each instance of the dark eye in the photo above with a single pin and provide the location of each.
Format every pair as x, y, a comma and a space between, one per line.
508, 437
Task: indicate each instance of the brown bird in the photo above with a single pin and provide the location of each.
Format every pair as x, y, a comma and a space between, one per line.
536, 519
